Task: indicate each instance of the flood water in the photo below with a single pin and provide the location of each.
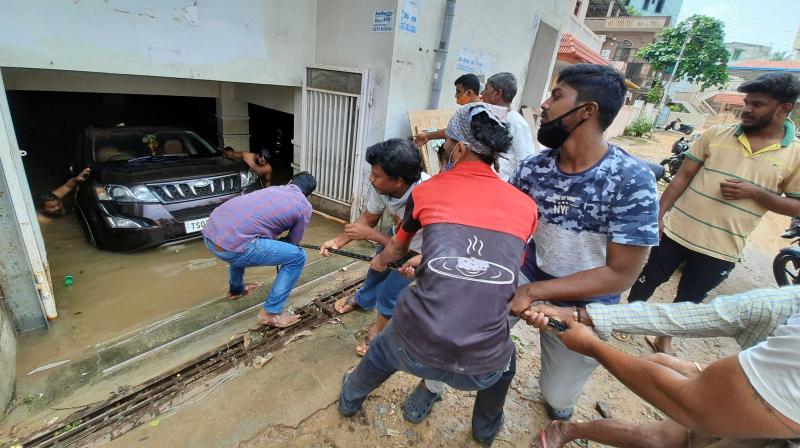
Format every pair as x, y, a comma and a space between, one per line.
116, 293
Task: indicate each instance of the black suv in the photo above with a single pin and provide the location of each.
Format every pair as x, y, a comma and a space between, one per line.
152, 185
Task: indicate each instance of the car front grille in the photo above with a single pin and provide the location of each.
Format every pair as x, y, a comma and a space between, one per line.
204, 187
188, 214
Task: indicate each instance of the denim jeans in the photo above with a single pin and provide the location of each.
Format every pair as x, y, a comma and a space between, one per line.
382, 289
265, 252
387, 354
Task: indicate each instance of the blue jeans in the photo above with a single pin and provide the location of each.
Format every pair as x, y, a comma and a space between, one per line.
265, 252
387, 354
382, 289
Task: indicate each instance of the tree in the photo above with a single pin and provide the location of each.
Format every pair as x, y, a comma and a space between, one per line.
655, 93
705, 58
780, 56
632, 11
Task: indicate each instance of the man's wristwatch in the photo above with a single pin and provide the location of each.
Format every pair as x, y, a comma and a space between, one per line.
576, 316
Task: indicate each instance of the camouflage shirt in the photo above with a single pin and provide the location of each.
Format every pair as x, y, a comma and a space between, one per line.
615, 200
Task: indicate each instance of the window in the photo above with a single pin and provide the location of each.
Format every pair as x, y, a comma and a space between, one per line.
737, 53
577, 12
646, 5
659, 6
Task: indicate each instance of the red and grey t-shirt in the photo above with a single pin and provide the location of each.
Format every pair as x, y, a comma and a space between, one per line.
476, 226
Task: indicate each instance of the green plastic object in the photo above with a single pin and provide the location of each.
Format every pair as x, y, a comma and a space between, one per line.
68, 280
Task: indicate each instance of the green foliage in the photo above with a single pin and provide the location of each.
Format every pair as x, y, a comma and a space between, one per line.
676, 107
632, 11
655, 93
639, 127
705, 58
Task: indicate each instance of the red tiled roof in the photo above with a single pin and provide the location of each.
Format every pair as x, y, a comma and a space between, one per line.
736, 99
792, 66
573, 51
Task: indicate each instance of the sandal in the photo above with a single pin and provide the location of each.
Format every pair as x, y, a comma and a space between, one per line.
419, 403
558, 414
361, 349
283, 320
622, 337
346, 304
248, 288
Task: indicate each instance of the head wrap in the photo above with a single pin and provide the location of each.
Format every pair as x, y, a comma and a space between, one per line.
458, 128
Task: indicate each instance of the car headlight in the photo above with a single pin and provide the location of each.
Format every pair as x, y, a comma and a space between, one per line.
120, 193
246, 178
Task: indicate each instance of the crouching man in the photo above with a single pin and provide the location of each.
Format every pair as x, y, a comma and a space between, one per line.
243, 232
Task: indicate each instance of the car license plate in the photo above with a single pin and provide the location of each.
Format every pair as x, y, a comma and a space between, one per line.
195, 225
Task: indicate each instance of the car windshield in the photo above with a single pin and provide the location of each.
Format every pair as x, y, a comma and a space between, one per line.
132, 145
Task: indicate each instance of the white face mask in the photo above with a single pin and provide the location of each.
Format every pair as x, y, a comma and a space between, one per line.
450, 162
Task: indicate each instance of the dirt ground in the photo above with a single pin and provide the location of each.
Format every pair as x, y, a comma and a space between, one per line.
292, 403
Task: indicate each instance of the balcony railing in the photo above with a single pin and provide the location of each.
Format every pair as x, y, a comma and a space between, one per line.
639, 23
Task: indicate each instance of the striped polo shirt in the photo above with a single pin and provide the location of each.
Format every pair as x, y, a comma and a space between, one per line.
701, 219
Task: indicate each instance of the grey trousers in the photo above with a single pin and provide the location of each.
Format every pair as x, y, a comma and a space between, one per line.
564, 372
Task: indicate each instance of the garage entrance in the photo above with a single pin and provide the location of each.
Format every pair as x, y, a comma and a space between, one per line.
48, 124
272, 130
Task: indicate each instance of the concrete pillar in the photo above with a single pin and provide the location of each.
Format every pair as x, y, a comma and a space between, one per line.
233, 119
584, 10
610, 8
8, 358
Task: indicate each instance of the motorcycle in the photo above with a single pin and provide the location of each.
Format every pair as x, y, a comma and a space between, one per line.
673, 163
676, 125
786, 265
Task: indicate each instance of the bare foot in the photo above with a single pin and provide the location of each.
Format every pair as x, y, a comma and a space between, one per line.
660, 344
282, 320
248, 288
552, 436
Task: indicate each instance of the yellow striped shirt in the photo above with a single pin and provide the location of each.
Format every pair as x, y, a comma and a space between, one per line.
701, 219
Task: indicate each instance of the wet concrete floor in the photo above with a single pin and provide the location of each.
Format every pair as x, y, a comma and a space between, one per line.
114, 294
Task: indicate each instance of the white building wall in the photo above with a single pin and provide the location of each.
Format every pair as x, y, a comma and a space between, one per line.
345, 38
502, 37
257, 41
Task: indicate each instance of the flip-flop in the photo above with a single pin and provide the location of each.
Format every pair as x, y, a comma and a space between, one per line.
364, 343
274, 321
419, 403
622, 337
346, 301
248, 288
651, 341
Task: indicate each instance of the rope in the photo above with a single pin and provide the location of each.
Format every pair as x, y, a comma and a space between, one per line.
346, 253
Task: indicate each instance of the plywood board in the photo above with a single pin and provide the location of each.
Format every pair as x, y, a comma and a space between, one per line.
426, 121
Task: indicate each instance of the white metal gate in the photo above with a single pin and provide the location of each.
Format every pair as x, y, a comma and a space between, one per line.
334, 124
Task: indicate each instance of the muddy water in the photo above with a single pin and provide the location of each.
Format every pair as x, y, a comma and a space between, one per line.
114, 293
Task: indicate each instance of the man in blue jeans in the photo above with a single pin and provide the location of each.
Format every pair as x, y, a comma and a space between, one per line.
243, 232
452, 326
396, 170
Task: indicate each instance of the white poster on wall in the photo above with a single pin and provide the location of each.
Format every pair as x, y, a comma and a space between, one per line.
408, 16
382, 21
474, 61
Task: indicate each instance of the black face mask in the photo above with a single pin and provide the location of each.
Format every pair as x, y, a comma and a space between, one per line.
553, 134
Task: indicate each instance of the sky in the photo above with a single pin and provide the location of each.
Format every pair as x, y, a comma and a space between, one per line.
765, 22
